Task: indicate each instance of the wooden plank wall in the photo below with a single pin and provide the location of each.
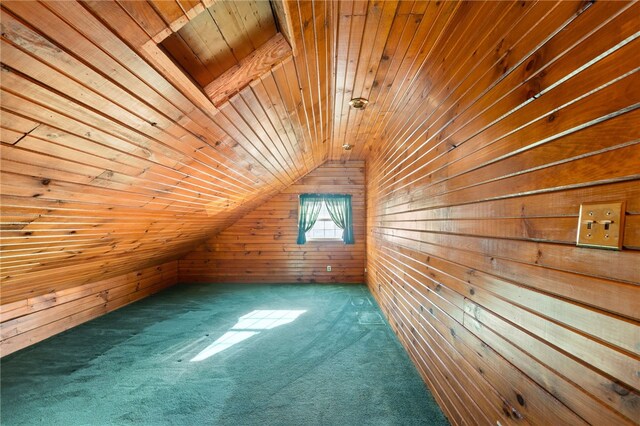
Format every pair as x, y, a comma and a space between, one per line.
261, 247
472, 208
113, 159
28, 321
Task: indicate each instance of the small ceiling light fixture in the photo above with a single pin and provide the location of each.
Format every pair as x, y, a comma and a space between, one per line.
347, 147
358, 103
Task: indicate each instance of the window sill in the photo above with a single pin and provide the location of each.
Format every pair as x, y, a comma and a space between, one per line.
324, 240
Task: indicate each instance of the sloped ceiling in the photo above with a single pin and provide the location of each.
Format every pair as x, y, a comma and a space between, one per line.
114, 158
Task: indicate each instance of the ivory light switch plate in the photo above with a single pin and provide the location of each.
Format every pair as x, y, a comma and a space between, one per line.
601, 225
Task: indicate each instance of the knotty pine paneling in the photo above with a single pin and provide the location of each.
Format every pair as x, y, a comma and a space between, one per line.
113, 159
522, 112
28, 321
261, 247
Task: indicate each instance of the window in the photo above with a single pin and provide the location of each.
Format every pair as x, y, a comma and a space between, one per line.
324, 228
325, 217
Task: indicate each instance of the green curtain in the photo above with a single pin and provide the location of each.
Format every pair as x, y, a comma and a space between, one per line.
339, 207
310, 205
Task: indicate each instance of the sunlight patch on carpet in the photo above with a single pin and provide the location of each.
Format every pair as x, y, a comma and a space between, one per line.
246, 327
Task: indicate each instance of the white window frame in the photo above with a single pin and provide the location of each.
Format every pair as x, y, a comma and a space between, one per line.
321, 239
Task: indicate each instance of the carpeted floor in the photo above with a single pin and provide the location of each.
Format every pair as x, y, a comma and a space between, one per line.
223, 355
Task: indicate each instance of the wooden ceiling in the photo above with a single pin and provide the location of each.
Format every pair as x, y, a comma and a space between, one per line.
114, 155
113, 158
219, 37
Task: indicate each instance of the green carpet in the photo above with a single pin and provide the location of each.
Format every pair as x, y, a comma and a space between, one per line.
311, 355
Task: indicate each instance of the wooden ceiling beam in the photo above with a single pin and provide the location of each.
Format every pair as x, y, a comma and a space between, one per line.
251, 68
